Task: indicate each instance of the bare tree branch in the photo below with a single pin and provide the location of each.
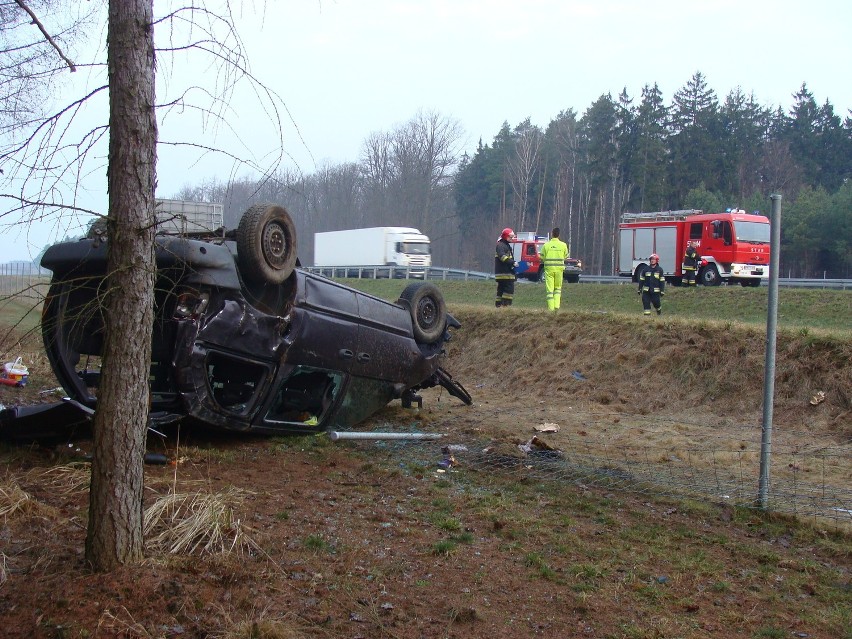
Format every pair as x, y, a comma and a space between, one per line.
46, 35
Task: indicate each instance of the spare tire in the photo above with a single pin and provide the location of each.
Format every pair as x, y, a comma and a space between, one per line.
266, 244
428, 311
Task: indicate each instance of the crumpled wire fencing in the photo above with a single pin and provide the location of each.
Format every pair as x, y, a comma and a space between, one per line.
807, 481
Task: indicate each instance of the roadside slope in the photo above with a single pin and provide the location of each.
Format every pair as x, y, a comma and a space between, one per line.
664, 366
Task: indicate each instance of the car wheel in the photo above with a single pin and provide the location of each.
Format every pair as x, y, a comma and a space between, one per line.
709, 276
266, 244
572, 279
428, 311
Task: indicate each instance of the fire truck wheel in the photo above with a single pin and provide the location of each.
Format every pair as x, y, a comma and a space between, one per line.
636, 273
709, 276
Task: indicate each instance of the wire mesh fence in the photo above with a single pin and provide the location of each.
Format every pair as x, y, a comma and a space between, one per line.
809, 481
22, 280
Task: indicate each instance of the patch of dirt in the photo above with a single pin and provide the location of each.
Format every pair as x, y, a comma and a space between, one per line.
339, 540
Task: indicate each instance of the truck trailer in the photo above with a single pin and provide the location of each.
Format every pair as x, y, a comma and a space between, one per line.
387, 250
181, 217
734, 246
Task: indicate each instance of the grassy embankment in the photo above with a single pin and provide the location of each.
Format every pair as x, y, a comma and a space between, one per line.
801, 310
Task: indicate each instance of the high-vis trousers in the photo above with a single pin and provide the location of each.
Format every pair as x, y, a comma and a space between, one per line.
553, 286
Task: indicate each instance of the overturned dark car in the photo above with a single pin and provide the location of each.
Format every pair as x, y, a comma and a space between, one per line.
246, 340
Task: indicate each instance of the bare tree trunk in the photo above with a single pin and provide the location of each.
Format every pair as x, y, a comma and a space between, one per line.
115, 508
540, 201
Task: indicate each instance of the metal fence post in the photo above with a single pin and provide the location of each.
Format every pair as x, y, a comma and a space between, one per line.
771, 339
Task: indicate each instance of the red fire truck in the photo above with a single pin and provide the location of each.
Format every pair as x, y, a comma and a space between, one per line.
526, 248
734, 245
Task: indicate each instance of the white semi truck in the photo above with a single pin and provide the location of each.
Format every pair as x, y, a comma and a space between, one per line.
388, 250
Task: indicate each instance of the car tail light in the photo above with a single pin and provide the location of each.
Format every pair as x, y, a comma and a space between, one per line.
191, 304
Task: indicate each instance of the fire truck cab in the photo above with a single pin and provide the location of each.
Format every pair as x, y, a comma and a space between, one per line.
526, 248
734, 246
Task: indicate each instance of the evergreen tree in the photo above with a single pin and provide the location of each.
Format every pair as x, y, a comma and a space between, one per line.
599, 150
838, 233
745, 125
801, 134
834, 161
695, 149
648, 162
804, 233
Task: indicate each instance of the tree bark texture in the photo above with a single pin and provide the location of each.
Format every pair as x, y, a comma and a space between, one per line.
120, 422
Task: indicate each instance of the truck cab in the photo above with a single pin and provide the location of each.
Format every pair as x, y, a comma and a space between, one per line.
526, 248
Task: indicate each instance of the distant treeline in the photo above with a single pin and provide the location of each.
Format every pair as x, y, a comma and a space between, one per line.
582, 173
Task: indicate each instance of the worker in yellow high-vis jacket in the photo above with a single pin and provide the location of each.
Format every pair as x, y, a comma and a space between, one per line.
553, 254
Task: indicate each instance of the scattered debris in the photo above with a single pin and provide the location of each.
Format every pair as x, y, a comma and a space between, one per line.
818, 398
578, 375
539, 446
547, 427
14, 373
447, 462
454, 448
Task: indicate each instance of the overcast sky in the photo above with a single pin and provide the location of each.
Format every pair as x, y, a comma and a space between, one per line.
348, 68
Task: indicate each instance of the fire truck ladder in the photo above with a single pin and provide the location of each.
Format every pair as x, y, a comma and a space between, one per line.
659, 216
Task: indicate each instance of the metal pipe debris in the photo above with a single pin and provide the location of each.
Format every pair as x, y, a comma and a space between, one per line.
337, 435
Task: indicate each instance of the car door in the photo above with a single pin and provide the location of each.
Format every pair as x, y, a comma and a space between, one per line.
324, 325
386, 346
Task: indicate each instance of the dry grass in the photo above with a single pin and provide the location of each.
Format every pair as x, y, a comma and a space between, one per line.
188, 523
14, 500
259, 623
66, 480
121, 624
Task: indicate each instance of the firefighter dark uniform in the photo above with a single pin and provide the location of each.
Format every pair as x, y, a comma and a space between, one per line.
553, 254
504, 269
691, 260
652, 285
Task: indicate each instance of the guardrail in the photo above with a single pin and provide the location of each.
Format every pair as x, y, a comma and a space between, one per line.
788, 282
442, 273
17, 277
398, 272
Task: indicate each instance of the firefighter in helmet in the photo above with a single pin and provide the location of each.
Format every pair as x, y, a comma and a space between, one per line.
504, 269
553, 255
652, 285
691, 260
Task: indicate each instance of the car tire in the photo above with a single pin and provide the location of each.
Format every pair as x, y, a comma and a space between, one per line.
266, 244
428, 311
572, 279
